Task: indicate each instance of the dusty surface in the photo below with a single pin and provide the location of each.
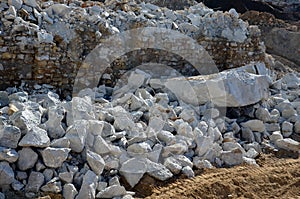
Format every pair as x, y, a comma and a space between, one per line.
275, 178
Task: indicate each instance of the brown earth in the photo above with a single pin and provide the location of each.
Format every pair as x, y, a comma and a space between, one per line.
275, 178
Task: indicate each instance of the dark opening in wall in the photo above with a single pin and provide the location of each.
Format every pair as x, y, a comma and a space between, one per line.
139, 57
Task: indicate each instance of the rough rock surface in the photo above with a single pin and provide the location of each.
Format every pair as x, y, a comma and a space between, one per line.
148, 121
27, 158
6, 175
164, 136
54, 157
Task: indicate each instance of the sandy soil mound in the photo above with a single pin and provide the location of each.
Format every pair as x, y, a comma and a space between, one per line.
275, 178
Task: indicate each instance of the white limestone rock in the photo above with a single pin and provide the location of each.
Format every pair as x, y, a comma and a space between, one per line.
251, 153
166, 137
286, 129
275, 115
203, 143
133, 170
272, 127
79, 109
9, 136
188, 172
173, 165
183, 161
8, 155
19, 97
76, 134
16, 3
36, 137
233, 157
254, 125
291, 80
155, 154
229, 146
35, 181
69, 191
95, 161
100, 146
123, 122
178, 148
66, 177
158, 171
201, 164
226, 89
54, 157
31, 3
60, 143
52, 186
276, 136
26, 119
263, 114
139, 149
88, 187
7, 175
53, 125
112, 191
184, 129
27, 159
288, 144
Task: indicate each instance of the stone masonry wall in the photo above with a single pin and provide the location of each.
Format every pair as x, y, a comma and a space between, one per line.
35, 52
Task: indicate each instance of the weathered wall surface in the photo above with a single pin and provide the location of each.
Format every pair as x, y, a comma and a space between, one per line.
46, 44
280, 38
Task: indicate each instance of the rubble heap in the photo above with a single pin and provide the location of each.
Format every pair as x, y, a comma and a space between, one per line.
81, 148
149, 121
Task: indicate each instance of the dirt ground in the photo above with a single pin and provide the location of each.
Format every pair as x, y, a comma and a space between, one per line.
275, 178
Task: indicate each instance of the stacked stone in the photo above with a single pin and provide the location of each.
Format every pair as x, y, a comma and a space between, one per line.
82, 147
46, 42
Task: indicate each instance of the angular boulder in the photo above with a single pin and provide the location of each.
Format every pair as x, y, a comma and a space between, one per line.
10, 136
7, 175
133, 170
88, 187
231, 88
54, 157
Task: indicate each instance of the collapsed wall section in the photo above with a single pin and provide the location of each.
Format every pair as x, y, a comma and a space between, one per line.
46, 43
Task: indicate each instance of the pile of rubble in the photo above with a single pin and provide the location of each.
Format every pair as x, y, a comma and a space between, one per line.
147, 123
82, 147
